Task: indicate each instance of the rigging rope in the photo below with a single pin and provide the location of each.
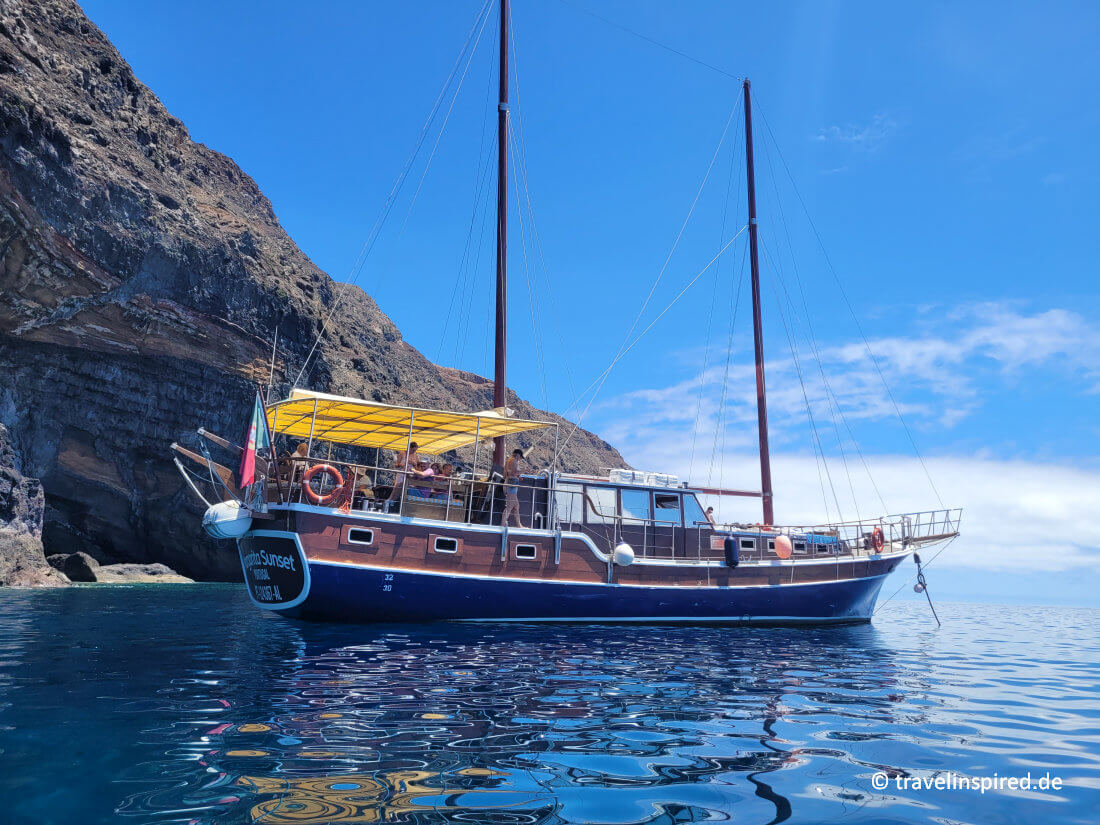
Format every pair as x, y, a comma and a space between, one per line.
387, 205
851, 309
521, 168
713, 302
446, 120
735, 299
599, 382
648, 39
481, 175
535, 325
603, 376
823, 464
834, 402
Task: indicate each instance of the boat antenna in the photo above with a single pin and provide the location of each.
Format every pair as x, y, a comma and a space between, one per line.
500, 385
757, 324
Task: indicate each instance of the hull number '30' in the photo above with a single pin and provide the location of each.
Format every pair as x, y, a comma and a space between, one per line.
274, 569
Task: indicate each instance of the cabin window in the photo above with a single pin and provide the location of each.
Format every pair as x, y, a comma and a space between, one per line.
800, 547
446, 545
568, 500
771, 544
599, 505
526, 551
360, 535
666, 507
635, 505
748, 544
693, 512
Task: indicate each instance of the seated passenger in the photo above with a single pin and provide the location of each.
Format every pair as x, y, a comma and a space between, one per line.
422, 472
446, 471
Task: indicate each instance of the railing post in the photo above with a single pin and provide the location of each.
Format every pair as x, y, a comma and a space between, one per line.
312, 426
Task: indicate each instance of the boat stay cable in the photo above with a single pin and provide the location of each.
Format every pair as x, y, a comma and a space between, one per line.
833, 407
521, 170
628, 347
459, 289
387, 206
540, 357
602, 378
446, 119
719, 429
651, 40
815, 433
734, 155
851, 310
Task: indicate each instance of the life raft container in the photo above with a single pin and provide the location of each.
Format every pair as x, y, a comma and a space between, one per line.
315, 497
878, 540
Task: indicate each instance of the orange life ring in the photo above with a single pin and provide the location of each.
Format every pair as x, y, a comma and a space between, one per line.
313, 495
878, 540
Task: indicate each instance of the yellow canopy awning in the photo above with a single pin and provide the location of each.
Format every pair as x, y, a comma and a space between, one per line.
369, 424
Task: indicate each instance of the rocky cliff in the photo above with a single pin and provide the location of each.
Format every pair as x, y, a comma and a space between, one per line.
143, 277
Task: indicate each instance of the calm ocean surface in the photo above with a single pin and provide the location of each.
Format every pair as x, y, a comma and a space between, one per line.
186, 704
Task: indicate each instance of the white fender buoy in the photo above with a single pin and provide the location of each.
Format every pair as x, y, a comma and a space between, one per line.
227, 520
783, 547
623, 555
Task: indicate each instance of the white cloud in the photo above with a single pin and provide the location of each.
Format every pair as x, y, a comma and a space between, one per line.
936, 377
1018, 515
868, 136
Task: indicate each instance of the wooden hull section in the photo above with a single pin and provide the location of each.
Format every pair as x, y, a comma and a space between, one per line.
334, 567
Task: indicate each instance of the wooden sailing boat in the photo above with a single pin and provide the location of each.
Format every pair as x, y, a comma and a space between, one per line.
380, 545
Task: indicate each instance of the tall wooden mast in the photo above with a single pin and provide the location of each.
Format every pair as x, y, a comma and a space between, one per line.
500, 382
757, 324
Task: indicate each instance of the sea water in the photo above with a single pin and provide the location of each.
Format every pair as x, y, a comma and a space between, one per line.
178, 703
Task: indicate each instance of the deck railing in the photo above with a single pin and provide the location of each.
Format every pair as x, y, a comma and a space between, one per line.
468, 500
459, 498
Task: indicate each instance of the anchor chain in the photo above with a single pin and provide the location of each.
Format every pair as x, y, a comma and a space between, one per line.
922, 587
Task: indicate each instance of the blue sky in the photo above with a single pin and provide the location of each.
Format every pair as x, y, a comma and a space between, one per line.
945, 153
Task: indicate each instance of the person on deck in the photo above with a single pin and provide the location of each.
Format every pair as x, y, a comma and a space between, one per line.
298, 462
511, 489
710, 515
446, 471
401, 463
421, 473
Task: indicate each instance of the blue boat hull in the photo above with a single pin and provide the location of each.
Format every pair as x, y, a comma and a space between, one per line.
348, 593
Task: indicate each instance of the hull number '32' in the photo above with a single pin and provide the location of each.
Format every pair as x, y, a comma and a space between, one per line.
274, 570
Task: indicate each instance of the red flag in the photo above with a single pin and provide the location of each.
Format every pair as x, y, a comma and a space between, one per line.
258, 439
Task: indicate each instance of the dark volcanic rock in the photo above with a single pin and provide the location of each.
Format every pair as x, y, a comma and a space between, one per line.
142, 279
78, 567
22, 561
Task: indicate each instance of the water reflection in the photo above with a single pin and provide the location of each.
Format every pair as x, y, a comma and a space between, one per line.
525, 724
188, 705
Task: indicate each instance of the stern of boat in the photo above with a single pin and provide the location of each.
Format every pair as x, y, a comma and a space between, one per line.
275, 568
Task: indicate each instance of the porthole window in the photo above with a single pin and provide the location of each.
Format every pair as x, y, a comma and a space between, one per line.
360, 535
526, 551
446, 545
